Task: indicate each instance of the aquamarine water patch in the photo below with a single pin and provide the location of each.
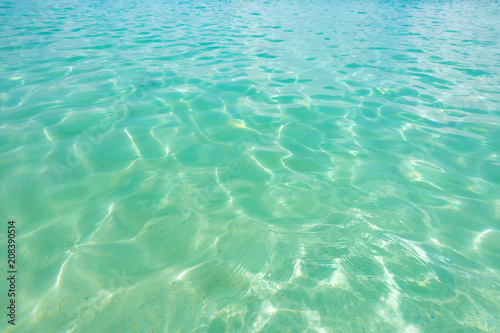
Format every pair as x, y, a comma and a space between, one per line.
236, 166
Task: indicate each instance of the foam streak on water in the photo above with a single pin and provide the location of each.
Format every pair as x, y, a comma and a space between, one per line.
237, 166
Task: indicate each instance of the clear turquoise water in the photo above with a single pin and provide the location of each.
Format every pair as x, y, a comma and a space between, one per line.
258, 166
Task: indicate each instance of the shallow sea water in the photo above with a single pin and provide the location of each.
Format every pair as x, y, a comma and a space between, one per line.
237, 166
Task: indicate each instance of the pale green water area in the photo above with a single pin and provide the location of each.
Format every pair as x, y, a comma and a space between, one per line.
240, 166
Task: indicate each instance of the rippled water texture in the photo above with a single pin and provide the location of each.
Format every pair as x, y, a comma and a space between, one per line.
234, 166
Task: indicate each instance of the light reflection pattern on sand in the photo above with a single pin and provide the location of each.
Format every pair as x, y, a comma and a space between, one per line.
252, 166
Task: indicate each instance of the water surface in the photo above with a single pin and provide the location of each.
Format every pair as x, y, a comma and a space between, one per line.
237, 166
